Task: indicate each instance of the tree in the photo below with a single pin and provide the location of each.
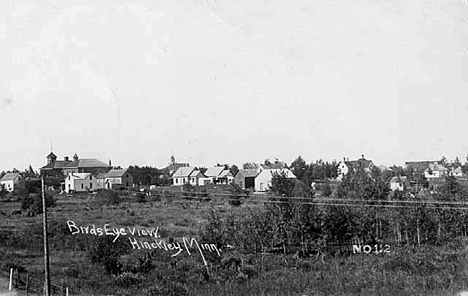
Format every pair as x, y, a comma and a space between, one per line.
250, 165
234, 169
299, 168
107, 252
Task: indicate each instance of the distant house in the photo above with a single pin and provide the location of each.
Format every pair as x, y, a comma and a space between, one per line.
118, 179
246, 178
10, 181
345, 166
173, 167
188, 175
435, 171
80, 182
264, 178
101, 181
457, 173
421, 166
77, 165
399, 183
219, 175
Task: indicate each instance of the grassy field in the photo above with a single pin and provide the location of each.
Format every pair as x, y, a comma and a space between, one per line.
404, 271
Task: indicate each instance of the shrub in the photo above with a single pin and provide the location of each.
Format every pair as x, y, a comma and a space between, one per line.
108, 197
33, 202
108, 253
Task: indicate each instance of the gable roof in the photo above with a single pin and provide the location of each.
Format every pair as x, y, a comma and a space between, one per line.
226, 173
458, 170
360, 163
436, 167
398, 179
196, 173
10, 177
288, 172
214, 171
116, 173
80, 176
80, 163
272, 166
249, 173
183, 172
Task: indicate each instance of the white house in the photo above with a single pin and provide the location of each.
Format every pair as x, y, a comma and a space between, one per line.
458, 173
10, 180
219, 175
188, 175
264, 178
399, 183
435, 170
80, 182
345, 166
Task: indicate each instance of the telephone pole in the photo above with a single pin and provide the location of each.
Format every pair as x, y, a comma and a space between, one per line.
46, 243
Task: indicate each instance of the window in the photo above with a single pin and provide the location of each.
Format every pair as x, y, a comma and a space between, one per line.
90, 185
82, 186
90, 177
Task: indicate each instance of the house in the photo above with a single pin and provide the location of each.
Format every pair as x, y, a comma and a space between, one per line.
436, 170
10, 181
219, 175
118, 179
77, 165
101, 181
246, 178
264, 178
399, 183
173, 167
457, 173
80, 182
188, 175
421, 166
345, 166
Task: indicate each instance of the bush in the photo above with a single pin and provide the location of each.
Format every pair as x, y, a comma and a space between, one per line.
108, 253
108, 197
33, 202
141, 197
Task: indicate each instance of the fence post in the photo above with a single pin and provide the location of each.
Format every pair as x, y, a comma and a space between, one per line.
11, 280
27, 284
66, 291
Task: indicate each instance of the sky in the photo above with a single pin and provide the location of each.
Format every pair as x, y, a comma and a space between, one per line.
216, 81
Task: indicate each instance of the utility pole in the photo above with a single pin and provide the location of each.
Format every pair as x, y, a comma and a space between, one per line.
46, 243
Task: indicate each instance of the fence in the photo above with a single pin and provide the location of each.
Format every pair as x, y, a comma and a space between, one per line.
22, 281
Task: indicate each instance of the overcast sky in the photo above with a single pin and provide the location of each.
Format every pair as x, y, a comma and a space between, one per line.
232, 81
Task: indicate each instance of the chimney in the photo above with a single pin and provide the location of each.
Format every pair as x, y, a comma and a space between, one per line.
344, 158
66, 158
75, 157
110, 163
363, 156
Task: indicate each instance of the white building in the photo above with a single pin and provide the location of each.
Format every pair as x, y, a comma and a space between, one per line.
399, 183
264, 178
10, 180
188, 175
219, 175
436, 170
80, 182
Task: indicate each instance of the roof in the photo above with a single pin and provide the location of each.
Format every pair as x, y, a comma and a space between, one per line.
398, 179
249, 173
436, 167
272, 166
289, 174
225, 173
80, 163
116, 173
183, 172
214, 171
458, 170
197, 173
80, 176
10, 177
362, 162
421, 165
101, 176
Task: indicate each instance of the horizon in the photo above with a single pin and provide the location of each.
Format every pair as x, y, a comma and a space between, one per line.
218, 82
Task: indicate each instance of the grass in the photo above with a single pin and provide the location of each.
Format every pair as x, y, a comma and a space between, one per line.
426, 271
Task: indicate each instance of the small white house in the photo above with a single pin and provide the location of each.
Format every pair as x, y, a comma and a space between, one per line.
219, 175
188, 175
264, 178
10, 180
436, 171
399, 183
80, 182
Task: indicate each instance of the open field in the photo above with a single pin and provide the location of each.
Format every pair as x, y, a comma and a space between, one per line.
441, 270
